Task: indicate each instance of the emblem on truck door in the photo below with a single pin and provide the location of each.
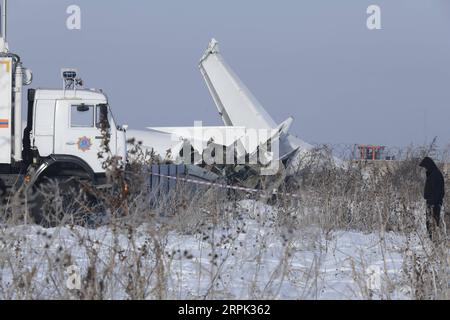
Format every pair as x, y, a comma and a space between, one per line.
84, 144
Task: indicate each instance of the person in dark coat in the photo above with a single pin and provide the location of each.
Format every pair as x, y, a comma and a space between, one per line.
434, 193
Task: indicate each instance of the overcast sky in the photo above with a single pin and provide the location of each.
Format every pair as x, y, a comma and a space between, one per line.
312, 59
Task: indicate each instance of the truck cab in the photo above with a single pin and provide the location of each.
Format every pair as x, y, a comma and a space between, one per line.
76, 124
70, 132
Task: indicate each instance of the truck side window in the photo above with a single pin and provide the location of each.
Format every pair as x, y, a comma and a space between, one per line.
82, 116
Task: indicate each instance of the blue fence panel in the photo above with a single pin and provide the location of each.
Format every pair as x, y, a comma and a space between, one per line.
163, 184
154, 178
173, 172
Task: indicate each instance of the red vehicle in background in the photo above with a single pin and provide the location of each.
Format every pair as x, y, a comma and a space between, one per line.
371, 153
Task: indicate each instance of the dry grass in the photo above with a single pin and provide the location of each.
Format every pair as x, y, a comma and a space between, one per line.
135, 257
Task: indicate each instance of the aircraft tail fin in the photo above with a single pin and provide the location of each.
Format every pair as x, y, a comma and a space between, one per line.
236, 104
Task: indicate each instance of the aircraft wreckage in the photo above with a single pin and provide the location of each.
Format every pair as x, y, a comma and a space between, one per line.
249, 145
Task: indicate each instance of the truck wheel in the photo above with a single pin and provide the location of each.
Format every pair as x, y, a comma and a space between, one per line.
56, 201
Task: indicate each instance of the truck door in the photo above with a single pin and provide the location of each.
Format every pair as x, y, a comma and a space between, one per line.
78, 131
44, 126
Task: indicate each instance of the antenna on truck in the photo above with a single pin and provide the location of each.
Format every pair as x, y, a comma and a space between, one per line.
3, 42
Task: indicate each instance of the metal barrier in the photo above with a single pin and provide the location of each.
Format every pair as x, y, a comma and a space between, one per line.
159, 174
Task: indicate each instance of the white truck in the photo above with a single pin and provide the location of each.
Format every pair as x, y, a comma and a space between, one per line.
64, 130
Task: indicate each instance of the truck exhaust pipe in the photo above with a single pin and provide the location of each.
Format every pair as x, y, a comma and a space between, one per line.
3, 41
4, 19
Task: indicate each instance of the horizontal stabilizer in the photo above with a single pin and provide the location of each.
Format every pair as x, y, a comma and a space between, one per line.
225, 136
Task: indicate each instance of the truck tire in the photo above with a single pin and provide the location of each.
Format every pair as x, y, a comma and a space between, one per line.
62, 200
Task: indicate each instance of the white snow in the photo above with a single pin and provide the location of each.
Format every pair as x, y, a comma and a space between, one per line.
262, 261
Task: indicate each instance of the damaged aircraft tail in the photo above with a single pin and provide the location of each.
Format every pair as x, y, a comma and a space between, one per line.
238, 107
241, 114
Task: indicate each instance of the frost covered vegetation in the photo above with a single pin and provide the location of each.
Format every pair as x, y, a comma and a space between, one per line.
354, 232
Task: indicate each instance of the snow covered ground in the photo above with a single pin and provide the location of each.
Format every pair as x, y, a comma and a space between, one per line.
250, 259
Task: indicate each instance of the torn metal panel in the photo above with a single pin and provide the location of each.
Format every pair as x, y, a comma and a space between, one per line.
201, 173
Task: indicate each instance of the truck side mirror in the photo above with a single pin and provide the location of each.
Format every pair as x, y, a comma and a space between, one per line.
82, 108
103, 116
